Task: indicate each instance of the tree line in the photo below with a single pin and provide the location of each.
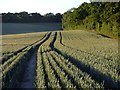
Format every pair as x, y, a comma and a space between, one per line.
25, 17
103, 17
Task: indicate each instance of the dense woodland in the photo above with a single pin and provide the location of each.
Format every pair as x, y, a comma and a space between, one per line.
25, 17
103, 17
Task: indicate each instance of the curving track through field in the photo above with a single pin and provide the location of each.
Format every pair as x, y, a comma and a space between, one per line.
64, 68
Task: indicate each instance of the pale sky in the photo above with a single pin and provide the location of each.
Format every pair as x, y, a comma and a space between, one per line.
40, 6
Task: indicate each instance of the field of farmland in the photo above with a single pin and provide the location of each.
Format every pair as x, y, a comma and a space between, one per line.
74, 60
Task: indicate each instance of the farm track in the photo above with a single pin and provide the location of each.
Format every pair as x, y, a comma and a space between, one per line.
4, 59
28, 79
29, 75
96, 75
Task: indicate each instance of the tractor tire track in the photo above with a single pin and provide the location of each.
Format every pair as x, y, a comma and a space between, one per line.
28, 79
29, 75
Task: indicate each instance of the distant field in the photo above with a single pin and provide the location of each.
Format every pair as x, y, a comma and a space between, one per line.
17, 28
60, 59
14, 42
